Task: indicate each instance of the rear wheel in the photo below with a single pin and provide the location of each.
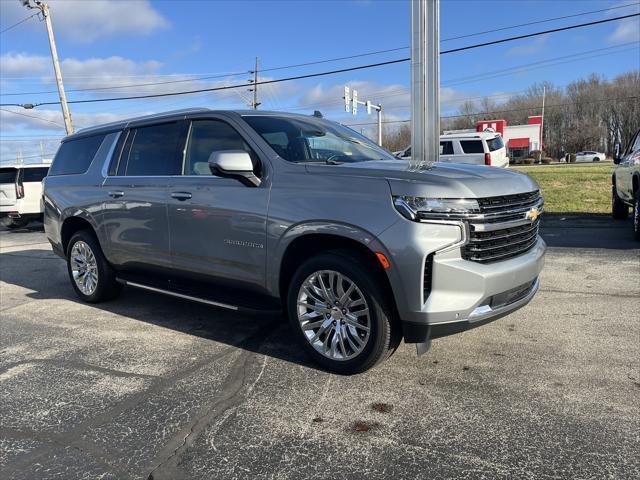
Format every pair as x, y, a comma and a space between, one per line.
340, 313
636, 215
618, 209
596, 159
91, 276
13, 223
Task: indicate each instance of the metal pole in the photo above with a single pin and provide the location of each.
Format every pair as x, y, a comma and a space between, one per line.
56, 67
425, 82
379, 124
255, 86
544, 94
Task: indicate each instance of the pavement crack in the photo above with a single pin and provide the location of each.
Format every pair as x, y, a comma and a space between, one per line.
234, 391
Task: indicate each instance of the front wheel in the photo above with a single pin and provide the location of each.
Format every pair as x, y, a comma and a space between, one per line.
340, 313
91, 276
619, 210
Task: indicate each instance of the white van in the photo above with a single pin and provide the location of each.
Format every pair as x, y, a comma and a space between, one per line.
20, 193
476, 148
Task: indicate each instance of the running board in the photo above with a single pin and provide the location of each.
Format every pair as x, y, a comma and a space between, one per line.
175, 294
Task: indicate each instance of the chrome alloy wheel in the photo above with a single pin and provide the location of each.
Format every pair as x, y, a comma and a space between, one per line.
334, 315
84, 267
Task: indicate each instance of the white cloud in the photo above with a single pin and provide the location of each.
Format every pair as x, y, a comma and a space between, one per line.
19, 64
86, 21
536, 45
627, 31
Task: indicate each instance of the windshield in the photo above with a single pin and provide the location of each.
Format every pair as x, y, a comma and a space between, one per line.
300, 139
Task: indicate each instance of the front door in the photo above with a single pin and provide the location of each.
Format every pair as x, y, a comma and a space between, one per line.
218, 225
135, 220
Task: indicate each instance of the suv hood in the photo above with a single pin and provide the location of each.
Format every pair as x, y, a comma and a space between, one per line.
442, 180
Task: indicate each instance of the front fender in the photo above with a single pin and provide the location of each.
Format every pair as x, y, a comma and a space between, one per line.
279, 248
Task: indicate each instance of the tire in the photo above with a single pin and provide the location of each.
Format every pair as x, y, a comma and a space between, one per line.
357, 354
99, 282
636, 216
619, 210
14, 223
596, 159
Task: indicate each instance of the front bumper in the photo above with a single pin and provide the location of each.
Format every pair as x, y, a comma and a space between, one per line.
464, 294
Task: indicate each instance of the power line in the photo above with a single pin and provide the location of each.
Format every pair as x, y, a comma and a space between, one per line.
481, 114
27, 157
331, 72
369, 53
18, 23
537, 22
32, 116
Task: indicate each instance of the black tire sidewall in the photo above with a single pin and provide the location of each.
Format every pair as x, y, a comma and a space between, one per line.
619, 210
107, 286
380, 335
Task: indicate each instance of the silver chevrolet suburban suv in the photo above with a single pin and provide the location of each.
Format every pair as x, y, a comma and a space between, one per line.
268, 211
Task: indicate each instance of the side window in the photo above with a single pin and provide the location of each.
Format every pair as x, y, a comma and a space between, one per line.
472, 146
208, 136
446, 148
636, 143
407, 153
153, 151
35, 174
75, 156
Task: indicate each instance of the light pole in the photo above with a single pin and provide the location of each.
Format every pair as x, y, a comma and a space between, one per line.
44, 9
425, 82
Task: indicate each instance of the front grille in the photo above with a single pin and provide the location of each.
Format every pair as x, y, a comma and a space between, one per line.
502, 229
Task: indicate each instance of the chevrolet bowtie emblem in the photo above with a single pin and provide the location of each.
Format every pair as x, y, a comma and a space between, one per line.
532, 214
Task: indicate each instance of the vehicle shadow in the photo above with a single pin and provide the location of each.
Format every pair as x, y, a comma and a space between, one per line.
45, 276
587, 230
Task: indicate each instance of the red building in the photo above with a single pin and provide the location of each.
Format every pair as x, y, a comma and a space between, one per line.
520, 140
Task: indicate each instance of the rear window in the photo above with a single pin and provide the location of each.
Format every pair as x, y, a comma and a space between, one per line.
75, 156
472, 146
35, 174
446, 148
8, 175
495, 144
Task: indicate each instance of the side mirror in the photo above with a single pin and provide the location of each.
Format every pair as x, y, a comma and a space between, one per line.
617, 156
233, 164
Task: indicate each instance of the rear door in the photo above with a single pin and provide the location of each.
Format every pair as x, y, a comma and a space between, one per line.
218, 225
136, 191
8, 185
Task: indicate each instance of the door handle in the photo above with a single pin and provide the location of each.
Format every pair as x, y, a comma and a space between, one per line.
116, 193
182, 196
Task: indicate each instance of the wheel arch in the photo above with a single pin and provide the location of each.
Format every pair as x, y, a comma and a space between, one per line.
306, 246
70, 226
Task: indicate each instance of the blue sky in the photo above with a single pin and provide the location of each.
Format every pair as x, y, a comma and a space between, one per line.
115, 42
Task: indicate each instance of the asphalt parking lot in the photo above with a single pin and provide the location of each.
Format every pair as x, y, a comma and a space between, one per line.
153, 387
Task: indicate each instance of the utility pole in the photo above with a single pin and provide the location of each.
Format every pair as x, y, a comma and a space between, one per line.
544, 94
44, 9
255, 102
425, 82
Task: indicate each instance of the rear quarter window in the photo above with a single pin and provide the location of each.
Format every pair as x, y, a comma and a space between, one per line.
495, 144
8, 175
75, 156
472, 146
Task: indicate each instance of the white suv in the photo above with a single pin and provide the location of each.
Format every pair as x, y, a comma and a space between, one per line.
20, 194
476, 148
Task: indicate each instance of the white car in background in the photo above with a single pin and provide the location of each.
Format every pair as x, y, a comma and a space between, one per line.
475, 148
20, 193
590, 156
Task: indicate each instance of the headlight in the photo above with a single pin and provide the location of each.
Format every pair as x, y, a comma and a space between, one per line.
437, 208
